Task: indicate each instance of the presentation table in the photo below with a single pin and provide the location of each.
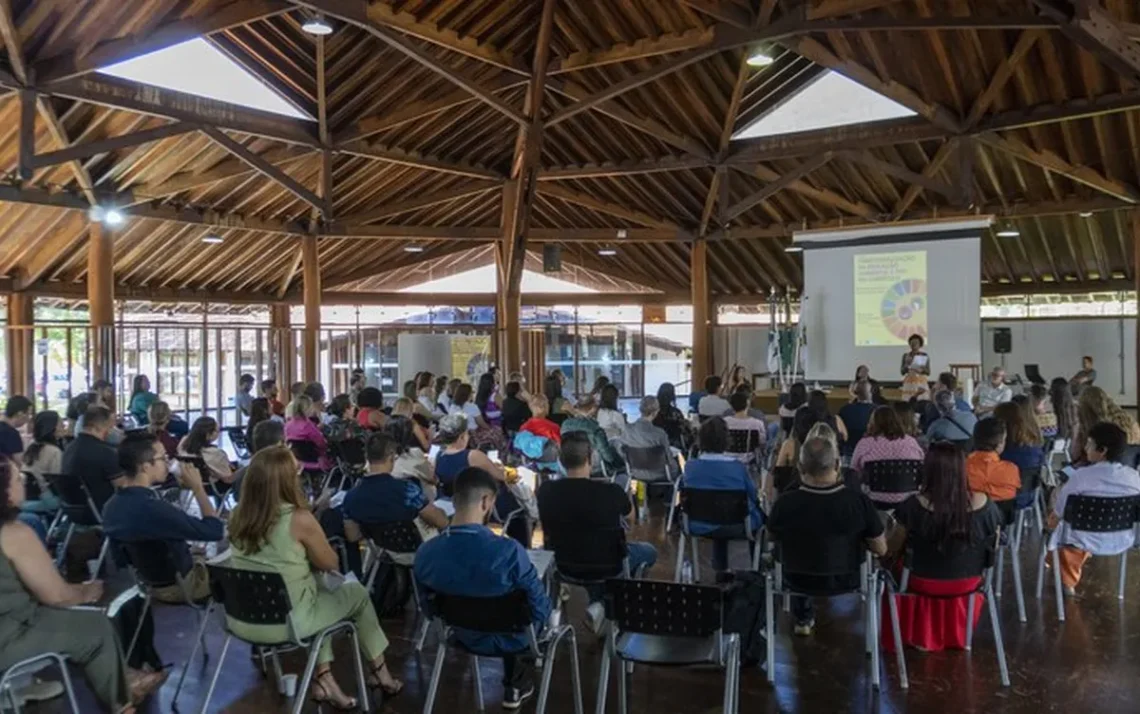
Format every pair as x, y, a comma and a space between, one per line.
768, 400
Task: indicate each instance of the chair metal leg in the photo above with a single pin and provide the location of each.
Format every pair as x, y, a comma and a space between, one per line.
365, 697
436, 671
217, 671
1057, 584
971, 604
873, 626
200, 641
1001, 568
729, 676
307, 677
900, 653
278, 674
62, 553
1015, 561
138, 629
679, 565
1037, 512
1041, 568
672, 509
68, 687
575, 672
1123, 575
995, 623
603, 675
422, 636
696, 559
769, 626
623, 686
479, 702
102, 555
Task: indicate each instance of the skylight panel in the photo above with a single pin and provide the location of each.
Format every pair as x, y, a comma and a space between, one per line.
197, 67
831, 100
485, 280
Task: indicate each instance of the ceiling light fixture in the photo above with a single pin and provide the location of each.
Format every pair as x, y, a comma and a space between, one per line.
317, 25
794, 249
1086, 214
1008, 231
413, 249
607, 251
107, 216
760, 58
212, 238
622, 233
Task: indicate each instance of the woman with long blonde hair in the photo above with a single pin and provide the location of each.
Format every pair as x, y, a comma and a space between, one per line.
1093, 407
273, 530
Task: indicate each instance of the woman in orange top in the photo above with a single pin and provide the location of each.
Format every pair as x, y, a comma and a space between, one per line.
985, 471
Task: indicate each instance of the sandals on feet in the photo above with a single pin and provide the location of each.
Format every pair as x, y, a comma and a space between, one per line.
374, 681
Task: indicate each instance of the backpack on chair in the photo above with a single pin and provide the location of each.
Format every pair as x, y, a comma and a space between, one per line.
391, 589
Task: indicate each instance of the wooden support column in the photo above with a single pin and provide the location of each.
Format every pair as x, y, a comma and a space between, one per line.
702, 316
281, 346
101, 301
21, 339
1135, 216
312, 294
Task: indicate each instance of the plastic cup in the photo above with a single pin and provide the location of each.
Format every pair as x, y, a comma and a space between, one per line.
288, 685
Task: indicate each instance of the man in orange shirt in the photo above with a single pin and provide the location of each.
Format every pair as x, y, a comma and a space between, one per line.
985, 471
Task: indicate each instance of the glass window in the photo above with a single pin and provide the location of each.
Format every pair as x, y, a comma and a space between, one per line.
613, 351
668, 355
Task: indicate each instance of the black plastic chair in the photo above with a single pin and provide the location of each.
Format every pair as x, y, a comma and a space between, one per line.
745, 445
721, 508
79, 508
395, 541
153, 565
982, 557
1091, 514
892, 476
307, 452
643, 460
840, 558
261, 598
508, 614
785, 478
241, 445
667, 625
350, 452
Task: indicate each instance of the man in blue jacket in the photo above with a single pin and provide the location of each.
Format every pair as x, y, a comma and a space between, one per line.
467, 559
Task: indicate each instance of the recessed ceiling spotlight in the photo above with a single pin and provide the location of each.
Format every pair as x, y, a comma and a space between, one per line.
413, 249
607, 251
212, 238
622, 233
1008, 231
317, 25
1086, 214
107, 216
760, 58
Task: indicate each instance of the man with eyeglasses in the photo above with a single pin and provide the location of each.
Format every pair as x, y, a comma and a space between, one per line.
137, 513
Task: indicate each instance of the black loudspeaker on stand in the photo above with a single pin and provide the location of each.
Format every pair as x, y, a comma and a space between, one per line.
551, 258
1003, 340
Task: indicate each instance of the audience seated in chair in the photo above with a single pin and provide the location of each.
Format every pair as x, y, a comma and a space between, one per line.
716, 470
585, 419
824, 515
671, 419
610, 416
412, 443
991, 392
468, 559
1042, 409
985, 471
516, 411
741, 419
570, 507
270, 392
380, 498
1024, 446
644, 434
857, 415
370, 409
266, 434
136, 513
159, 426
272, 529
300, 427
37, 615
538, 424
946, 528
1093, 407
43, 456
489, 423
953, 424
201, 442
1103, 476
712, 403
17, 413
341, 424
92, 458
886, 440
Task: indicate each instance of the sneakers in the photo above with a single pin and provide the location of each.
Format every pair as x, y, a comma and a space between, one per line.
36, 691
514, 698
805, 629
595, 616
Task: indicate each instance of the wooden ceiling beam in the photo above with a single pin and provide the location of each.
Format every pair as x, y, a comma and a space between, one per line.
643, 48
268, 170
901, 172
380, 152
624, 168
414, 204
10, 33
121, 49
1089, 25
822, 195
360, 14
783, 182
227, 169
104, 146
595, 204
939, 23
1050, 161
407, 260
936, 164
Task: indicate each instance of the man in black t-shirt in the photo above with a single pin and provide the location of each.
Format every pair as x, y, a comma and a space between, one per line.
16, 414
94, 460
826, 524
576, 504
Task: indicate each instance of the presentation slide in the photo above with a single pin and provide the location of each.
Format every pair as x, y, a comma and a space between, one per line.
890, 298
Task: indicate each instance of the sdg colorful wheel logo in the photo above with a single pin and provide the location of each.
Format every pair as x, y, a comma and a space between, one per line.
903, 308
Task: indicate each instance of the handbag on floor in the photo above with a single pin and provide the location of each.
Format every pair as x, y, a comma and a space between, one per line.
744, 614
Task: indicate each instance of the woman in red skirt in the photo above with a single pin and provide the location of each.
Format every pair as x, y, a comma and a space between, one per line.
947, 531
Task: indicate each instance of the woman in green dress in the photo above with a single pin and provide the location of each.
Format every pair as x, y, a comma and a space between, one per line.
273, 529
141, 399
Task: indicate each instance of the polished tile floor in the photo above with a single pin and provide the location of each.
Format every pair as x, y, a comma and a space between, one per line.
1088, 664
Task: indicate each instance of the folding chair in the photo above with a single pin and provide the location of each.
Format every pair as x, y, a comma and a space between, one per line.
897, 479
153, 565
237, 438
397, 541
33, 492
508, 614
724, 509
1014, 514
587, 559
785, 478
1091, 514
79, 508
745, 444
980, 564
34, 664
306, 452
260, 598
666, 625
644, 463
822, 557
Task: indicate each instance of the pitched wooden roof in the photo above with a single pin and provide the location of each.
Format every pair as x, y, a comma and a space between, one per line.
421, 123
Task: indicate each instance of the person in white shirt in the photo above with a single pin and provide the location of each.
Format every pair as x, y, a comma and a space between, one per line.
713, 404
1104, 476
741, 420
990, 394
610, 417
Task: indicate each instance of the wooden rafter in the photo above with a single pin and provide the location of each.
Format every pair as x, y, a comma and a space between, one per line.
1090, 26
613, 209
103, 146
638, 49
413, 204
267, 169
1050, 161
226, 169
783, 182
936, 164
624, 168
822, 195
901, 172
